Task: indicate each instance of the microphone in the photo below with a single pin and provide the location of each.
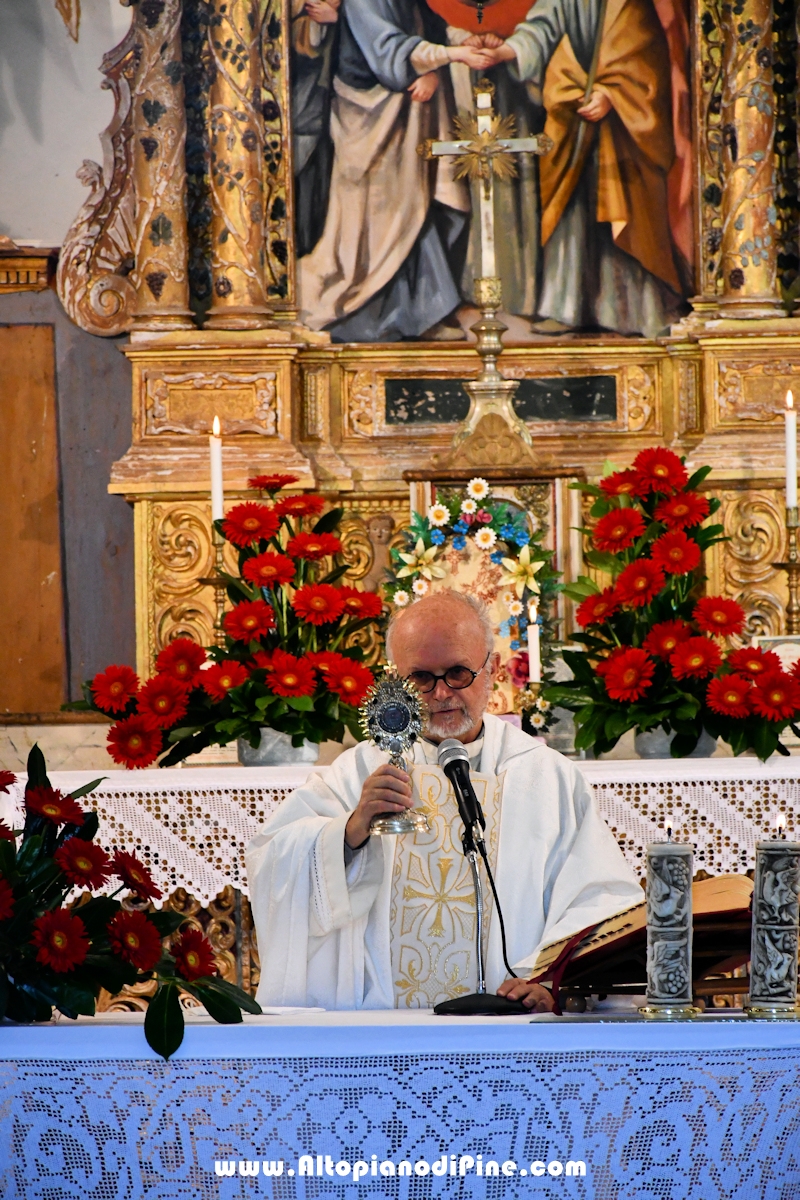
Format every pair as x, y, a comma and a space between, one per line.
454, 761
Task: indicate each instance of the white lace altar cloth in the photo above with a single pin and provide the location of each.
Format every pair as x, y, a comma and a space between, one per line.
191, 825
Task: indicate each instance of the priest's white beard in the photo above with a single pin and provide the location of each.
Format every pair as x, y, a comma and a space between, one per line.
451, 724
457, 715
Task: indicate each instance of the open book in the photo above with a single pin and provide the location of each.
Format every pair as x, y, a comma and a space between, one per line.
613, 955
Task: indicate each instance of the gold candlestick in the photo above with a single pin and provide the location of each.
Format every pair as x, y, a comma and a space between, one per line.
792, 569
218, 583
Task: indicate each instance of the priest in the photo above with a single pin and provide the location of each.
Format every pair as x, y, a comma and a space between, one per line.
349, 921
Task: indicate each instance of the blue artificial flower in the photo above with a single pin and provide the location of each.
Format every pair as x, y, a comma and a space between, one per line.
497, 556
437, 537
522, 537
508, 532
504, 628
459, 542
461, 527
522, 621
515, 644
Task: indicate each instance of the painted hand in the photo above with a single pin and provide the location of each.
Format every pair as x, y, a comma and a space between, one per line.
597, 106
324, 12
424, 87
532, 995
479, 58
490, 40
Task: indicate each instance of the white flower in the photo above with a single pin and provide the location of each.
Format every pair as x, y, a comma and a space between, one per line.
421, 562
485, 538
478, 489
420, 586
401, 598
469, 506
515, 607
508, 598
543, 705
438, 514
537, 720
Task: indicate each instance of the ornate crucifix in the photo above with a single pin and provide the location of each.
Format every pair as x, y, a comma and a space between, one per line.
484, 150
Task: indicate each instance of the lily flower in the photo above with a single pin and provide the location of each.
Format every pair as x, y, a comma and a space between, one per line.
523, 571
421, 562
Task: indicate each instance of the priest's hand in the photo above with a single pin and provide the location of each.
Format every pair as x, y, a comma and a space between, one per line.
387, 790
424, 87
532, 995
597, 106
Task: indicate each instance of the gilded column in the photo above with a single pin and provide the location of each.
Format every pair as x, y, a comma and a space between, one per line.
749, 219
159, 133
236, 143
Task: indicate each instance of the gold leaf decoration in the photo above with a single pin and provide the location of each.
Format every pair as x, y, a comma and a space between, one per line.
70, 11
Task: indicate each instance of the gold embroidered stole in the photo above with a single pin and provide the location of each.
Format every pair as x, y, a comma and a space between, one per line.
433, 901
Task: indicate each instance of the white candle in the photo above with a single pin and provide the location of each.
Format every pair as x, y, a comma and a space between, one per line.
790, 417
534, 653
215, 448
483, 103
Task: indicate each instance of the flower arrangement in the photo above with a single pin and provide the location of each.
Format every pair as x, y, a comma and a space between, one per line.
290, 660
492, 548
655, 654
59, 954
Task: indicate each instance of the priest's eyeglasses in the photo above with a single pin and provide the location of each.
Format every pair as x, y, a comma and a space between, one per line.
457, 678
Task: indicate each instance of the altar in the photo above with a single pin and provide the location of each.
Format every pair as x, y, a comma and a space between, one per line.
403, 1105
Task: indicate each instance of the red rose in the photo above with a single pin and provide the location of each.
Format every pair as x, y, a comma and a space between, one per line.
300, 506
775, 696
665, 636
728, 696
182, 659
61, 940
318, 603
135, 742
719, 616
361, 604
248, 523
134, 875
83, 863
271, 483
618, 529
135, 939
218, 680
682, 511
696, 657
290, 676
628, 673
596, 609
659, 470
313, 545
269, 569
114, 688
194, 957
350, 680
753, 662
164, 700
676, 553
53, 806
248, 620
639, 583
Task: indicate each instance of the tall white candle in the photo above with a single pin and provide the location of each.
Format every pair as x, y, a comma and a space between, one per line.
215, 448
534, 651
790, 417
483, 103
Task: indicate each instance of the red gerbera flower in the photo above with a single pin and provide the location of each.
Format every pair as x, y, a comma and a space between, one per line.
775, 696
271, 483
290, 676
114, 688
753, 662
728, 696
683, 511
639, 583
313, 545
61, 939
53, 805
6, 833
618, 529
163, 699
135, 742
248, 523
182, 659
665, 636
715, 614
135, 939
134, 875
676, 553
300, 506
83, 863
269, 569
350, 680
628, 673
324, 660
249, 619
659, 470
696, 657
361, 604
194, 957
6, 780
621, 483
318, 603
6, 900
596, 609
219, 679
262, 659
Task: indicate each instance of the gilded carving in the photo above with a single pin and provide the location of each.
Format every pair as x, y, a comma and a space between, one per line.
688, 384
709, 79
492, 444
742, 567
275, 106
639, 396
316, 398
187, 403
748, 391
70, 13
361, 400
368, 535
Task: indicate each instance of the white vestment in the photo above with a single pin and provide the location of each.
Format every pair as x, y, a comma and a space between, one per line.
324, 924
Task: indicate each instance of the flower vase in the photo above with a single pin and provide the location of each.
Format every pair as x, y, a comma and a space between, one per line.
655, 743
275, 749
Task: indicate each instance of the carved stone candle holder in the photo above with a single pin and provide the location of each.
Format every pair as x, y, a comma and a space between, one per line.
669, 932
773, 953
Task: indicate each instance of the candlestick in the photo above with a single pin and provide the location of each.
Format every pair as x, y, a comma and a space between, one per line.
790, 419
669, 932
215, 450
774, 940
792, 568
534, 646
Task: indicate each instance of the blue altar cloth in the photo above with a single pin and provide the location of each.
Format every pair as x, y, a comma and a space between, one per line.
696, 1111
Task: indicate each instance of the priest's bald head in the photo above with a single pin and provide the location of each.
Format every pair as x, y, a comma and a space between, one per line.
445, 644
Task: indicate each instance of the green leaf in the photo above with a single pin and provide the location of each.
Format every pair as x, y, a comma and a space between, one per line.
579, 665
579, 591
765, 740
37, 768
28, 853
604, 561
111, 973
220, 1007
4, 993
87, 787
335, 574
96, 914
301, 703
243, 999
178, 735
328, 521
163, 1023
166, 922
684, 743
696, 479
85, 832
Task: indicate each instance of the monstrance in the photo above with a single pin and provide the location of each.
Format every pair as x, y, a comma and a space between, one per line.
392, 717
